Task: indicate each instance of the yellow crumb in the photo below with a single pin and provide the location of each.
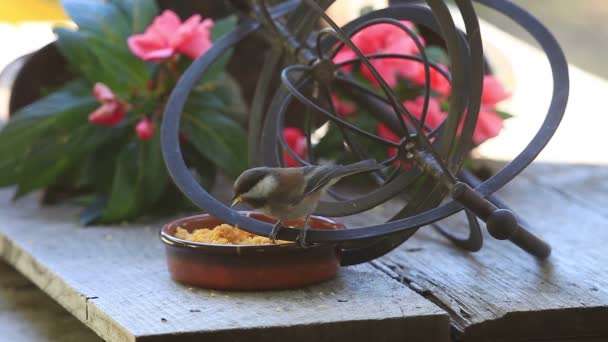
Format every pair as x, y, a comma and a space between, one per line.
223, 234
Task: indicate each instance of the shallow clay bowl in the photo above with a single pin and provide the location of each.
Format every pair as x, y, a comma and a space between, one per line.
248, 267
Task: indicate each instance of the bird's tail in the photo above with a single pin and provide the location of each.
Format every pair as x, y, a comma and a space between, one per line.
363, 166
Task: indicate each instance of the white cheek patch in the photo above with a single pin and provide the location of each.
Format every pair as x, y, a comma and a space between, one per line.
265, 186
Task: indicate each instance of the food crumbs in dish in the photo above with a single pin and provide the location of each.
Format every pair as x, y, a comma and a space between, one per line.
223, 234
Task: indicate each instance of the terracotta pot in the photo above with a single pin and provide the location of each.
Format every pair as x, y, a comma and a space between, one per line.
248, 267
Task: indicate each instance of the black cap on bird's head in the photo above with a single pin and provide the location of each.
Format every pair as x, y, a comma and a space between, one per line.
246, 182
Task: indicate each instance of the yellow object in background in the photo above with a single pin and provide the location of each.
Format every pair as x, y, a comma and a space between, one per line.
17, 11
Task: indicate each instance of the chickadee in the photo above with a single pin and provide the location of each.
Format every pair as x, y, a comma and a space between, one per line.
291, 193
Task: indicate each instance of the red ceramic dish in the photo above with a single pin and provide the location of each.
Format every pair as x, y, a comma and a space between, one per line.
247, 267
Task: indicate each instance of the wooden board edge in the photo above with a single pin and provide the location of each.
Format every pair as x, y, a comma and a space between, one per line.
571, 324
78, 304
415, 329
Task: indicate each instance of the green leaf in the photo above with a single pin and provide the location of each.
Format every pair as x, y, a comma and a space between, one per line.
95, 172
98, 50
365, 10
93, 211
98, 61
55, 154
122, 71
79, 56
204, 170
219, 139
220, 28
224, 96
55, 114
174, 200
103, 19
140, 178
229, 92
437, 54
503, 115
140, 13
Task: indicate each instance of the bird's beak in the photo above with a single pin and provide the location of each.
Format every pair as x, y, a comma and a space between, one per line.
235, 201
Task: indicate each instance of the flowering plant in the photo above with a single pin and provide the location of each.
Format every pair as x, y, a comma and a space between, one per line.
407, 80
97, 135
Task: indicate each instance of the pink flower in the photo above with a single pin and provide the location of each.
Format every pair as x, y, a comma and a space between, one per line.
342, 108
493, 91
386, 133
103, 93
344, 55
167, 35
439, 83
297, 142
387, 39
193, 38
434, 115
111, 111
108, 114
489, 124
145, 129
433, 119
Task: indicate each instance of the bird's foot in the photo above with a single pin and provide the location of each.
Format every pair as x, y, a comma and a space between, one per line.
275, 231
302, 236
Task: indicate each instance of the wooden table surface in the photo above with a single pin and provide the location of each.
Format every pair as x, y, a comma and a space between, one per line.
422, 290
115, 280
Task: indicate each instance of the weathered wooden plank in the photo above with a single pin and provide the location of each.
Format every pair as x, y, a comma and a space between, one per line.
29, 315
501, 293
114, 279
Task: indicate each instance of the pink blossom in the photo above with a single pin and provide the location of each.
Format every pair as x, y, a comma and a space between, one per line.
493, 91
386, 133
145, 129
108, 114
167, 35
342, 108
345, 55
439, 83
433, 119
382, 39
489, 124
111, 111
193, 38
434, 115
297, 142
102, 93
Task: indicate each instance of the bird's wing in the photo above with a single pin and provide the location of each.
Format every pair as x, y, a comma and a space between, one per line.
319, 176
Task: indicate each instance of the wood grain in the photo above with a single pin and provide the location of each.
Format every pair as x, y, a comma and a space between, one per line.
114, 279
501, 293
29, 315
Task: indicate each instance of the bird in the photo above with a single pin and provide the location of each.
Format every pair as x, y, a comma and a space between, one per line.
288, 193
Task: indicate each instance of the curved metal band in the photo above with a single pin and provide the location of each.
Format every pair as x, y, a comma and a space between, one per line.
185, 181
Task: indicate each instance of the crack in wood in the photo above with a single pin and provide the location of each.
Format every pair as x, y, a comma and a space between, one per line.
457, 322
86, 306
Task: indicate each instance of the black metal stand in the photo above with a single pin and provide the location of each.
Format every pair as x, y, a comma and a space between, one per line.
311, 77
